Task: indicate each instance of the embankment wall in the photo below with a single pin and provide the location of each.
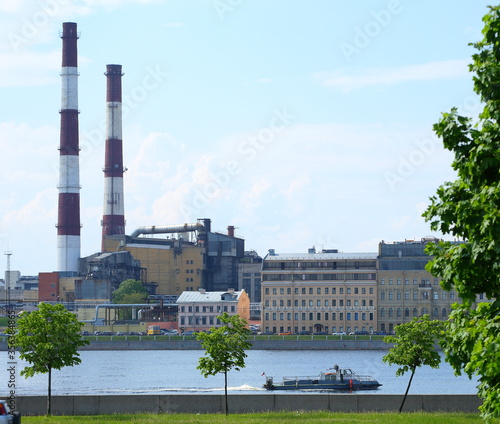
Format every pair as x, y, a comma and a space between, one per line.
244, 403
191, 344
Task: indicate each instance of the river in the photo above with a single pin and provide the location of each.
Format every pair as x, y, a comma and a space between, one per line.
174, 371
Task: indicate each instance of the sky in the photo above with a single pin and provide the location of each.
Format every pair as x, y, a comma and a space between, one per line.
303, 124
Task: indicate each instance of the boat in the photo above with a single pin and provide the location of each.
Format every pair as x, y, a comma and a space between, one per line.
334, 378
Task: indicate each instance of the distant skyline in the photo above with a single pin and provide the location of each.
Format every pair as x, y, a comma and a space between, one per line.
300, 123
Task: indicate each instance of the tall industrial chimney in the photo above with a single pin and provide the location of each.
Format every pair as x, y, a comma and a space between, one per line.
113, 221
68, 222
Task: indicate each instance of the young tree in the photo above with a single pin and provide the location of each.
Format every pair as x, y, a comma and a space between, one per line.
414, 346
225, 348
48, 339
469, 209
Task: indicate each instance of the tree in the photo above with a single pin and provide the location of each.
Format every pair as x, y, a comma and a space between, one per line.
225, 348
48, 339
130, 291
469, 209
414, 347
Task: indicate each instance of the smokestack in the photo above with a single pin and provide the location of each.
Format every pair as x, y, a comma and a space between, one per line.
68, 221
113, 221
230, 230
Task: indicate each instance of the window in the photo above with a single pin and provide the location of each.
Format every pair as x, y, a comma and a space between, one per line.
334, 290
289, 290
407, 281
382, 295
274, 290
341, 290
363, 290
391, 281
391, 295
296, 302
318, 303
326, 290
382, 281
356, 316
334, 302
355, 290
348, 290
399, 281
407, 312
266, 291
318, 290
310, 290
303, 290
399, 312
371, 290
382, 312
282, 290
348, 302
391, 312
341, 302
326, 316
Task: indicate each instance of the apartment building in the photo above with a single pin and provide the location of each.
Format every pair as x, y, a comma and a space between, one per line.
319, 292
198, 310
405, 289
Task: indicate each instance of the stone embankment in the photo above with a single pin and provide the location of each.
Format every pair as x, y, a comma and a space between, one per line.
189, 343
243, 403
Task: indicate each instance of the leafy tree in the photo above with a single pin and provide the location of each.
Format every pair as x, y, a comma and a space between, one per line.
469, 209
129, 291
414, 347
225, 348
48, 339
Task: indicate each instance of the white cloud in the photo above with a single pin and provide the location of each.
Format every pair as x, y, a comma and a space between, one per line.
347, 81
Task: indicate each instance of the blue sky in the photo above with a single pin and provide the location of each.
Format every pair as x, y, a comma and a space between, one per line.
300, 123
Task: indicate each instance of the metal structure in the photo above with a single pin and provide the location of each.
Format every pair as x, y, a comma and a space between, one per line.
113, 221
68, 222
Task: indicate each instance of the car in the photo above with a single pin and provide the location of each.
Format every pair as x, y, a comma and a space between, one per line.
304, 333
319, 333
285, 333
7, 416
189, 333
267, 333
339, 333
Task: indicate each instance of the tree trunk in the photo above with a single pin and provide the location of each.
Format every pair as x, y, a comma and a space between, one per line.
49, 394
225, 391
407, 389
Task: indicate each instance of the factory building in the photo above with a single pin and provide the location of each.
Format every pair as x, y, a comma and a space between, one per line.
183, 257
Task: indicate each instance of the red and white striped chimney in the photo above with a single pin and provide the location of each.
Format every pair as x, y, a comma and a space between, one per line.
68, 221
113, 221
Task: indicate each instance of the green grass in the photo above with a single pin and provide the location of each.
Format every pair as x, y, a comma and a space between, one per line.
268, 418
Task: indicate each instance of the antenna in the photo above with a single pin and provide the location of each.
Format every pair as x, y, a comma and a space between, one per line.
7, 278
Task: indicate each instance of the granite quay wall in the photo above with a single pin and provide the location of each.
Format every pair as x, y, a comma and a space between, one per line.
151, 343
240, 403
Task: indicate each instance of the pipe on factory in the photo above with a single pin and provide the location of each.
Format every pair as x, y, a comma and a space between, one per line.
113, 221
68, 220
183, 228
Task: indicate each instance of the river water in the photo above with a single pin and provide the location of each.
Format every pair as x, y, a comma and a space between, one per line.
174, 371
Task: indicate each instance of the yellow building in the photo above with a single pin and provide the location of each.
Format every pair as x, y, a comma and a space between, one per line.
319, 292
171, 264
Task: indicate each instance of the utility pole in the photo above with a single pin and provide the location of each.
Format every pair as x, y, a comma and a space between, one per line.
7, 279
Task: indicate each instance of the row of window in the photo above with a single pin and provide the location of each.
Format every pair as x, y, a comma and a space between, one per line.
319, 290
319, 302
423, 281
319, 316
199, 320
423, 311
317, 277
216, 308
423, 295
320, 264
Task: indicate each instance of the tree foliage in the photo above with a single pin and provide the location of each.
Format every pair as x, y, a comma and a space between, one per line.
48, 339
225, 348
415, 345
469, 209
130, 290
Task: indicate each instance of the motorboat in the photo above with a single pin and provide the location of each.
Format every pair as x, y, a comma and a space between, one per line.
335, 378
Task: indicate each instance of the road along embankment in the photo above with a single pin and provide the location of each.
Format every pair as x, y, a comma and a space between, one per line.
239, 403
151, 343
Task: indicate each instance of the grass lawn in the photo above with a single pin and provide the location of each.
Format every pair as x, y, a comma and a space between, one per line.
268, 418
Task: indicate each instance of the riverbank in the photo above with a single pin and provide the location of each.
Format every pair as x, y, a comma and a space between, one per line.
258, 343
